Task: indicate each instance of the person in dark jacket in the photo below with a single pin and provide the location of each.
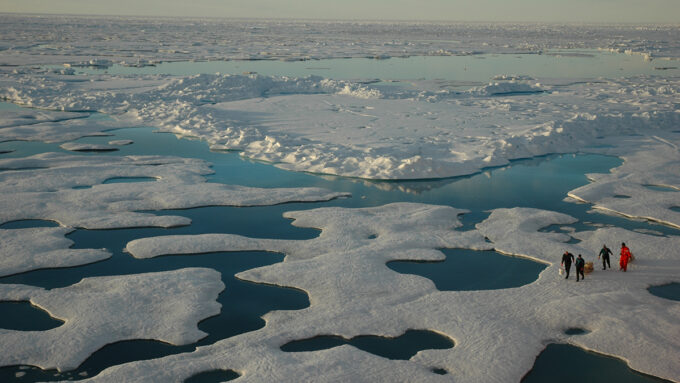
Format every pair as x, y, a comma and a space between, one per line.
567, 258
605, 253
580, 266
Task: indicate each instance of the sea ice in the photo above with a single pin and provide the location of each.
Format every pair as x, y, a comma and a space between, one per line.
80, 147
23, 250
24, 116
43, 187
69, 128
656, 164
352, 292
121, 142
164, 306
29, 40
345, 128
350, 129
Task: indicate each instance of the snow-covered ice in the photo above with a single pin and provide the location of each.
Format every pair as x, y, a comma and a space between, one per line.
32, 39
629, 189
510, 325
352, 128
164, 306
44, 187
28, 249
17, 116
121, 142
80, 147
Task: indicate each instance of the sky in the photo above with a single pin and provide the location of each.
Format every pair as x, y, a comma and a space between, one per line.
588, 11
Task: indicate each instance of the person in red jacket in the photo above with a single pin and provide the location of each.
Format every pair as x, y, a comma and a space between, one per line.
625, 257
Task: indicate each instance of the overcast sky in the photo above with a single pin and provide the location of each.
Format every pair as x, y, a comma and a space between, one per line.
624, 11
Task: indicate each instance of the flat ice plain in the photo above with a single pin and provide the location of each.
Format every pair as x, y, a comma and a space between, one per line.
352, 128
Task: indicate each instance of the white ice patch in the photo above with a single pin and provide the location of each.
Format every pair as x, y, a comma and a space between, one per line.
57, 131
121, 142
646, 186
164, 306
24, 116
143, 42
23, 250
50, 186
81, 147
352, 292
318, 125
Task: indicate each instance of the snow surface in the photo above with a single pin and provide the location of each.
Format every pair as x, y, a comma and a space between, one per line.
80, 147
350, 129
121, 142
23, 250
658, 165
164, 306
42, 187
352, 292
33, 39
16, 116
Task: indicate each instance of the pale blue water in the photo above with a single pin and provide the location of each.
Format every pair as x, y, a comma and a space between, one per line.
540, 182
460, 70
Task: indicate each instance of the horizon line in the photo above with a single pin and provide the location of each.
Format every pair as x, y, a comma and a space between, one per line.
433, 21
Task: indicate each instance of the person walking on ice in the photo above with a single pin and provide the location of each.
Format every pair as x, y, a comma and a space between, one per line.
567, 258
580, 266
605, 253
625, 257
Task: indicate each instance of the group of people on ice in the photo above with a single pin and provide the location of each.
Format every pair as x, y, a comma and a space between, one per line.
580, 263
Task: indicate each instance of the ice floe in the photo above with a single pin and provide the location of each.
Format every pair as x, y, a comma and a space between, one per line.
44, 187
17, 116
34, 248
342, 128
164, 306
352, 292
140, 42
49, 126
658, 164
80, 147
121, 142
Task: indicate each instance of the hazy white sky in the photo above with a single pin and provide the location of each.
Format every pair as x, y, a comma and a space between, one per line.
626, 11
